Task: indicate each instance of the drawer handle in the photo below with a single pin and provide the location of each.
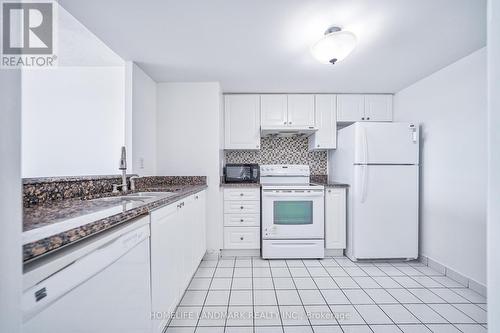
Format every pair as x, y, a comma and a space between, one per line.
241, 220
241, 207
241, 194
241, 238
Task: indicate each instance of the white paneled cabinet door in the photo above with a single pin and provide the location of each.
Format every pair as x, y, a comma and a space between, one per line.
165, 259
200, 227
273, 111
378, 107
326, 122
350, 108
188, 235
335, 218
242, 122
301, 111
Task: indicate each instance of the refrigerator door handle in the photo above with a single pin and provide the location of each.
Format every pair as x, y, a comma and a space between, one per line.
365, 145
364, 181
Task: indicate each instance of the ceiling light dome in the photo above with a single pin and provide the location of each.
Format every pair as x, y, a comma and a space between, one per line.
334, 46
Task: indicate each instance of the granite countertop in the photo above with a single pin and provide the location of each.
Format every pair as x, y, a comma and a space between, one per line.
331, 184
51, 225
323, 180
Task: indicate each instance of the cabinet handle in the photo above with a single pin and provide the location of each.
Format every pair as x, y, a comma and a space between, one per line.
241, 194
241, 220
241, 238
196, 197
241, 207
329, 191
284, 123
368, 118
318, 146
289, 123
363, 118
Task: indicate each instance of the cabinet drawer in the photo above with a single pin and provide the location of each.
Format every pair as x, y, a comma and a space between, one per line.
241, 237
244, 207
242, 194
241, 220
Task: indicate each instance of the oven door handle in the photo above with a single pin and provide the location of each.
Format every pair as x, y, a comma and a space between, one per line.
292, 194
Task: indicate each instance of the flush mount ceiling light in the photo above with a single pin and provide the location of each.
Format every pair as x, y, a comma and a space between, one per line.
334, 46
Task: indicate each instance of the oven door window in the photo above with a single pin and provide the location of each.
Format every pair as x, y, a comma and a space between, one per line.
293, 212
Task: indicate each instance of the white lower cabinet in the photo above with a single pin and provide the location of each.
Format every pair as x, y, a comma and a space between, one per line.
177, 247
242, 218
335, 218
241, 237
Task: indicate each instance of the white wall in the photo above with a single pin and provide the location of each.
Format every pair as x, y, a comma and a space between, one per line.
73, 115
141, 112
73, 121
189, 140
10, 201
451, 106
494, 166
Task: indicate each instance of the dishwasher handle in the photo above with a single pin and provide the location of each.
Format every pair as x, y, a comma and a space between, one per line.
49, 290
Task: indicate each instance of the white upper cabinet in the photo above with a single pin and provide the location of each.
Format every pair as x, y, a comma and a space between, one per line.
378, 107
273, 111
356, 107
350, 108
301, 111
242, 122
326, 122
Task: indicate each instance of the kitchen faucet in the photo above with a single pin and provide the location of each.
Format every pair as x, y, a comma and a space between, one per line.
123, 168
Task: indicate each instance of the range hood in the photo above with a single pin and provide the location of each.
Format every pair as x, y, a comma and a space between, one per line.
287, 132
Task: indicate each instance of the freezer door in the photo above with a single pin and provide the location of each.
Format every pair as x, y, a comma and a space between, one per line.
384, 212
386, 143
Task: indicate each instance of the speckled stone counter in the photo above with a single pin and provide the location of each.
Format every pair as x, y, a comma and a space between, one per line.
323, 180
47, 222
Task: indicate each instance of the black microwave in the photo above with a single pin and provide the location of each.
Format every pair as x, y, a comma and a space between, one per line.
241, 173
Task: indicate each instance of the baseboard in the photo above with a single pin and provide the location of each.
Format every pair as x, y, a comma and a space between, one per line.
211, 254
454, 275
334, 252
240, 253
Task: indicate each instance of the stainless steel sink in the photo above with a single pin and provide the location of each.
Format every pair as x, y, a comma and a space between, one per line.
149, 194
125, 198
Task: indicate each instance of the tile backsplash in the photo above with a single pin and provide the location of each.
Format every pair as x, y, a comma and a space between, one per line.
292, 150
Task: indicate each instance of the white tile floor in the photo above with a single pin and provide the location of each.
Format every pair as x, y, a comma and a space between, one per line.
242, 294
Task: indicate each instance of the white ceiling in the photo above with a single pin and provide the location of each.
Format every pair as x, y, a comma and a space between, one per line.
263, 45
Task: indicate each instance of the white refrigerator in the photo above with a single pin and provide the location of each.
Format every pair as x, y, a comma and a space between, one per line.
380, 162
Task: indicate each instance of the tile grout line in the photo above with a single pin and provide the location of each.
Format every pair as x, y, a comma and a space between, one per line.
230, 292
206, 296
300, 297
276, 297
352, 276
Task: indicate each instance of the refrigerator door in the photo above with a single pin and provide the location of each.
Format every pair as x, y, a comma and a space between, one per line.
384, 212
386, 143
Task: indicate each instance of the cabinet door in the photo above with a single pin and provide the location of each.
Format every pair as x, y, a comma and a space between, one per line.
378, 107
335, 218
188, 250
326, 122
200, 227
242, 121
165, 259
273, 111
350, 108
241, 237
301, 111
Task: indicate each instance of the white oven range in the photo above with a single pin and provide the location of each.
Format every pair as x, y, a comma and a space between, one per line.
292, 213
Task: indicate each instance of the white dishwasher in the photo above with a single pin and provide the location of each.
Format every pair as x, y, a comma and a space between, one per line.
101, 285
